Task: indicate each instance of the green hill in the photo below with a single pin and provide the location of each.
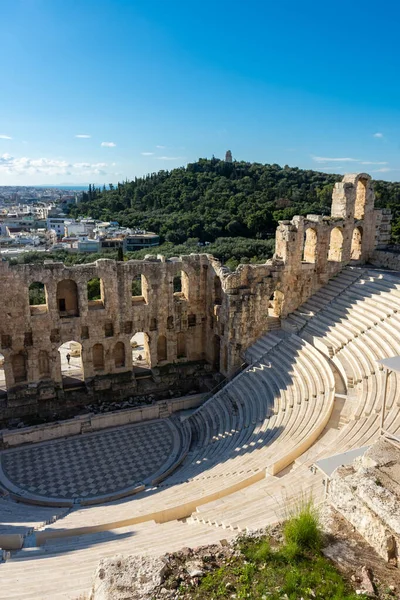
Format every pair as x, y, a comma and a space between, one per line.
210, 199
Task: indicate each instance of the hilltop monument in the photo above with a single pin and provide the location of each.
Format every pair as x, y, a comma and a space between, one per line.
228, 156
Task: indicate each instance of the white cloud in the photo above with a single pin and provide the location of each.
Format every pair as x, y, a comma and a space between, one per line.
5, 137
378, 135
147, 153
161, 147
383, 170
84, 165
10, 165
83, 135
321, 159
335, 168
170, 157
108, 144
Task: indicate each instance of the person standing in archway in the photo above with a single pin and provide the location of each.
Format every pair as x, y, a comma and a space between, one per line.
68, 357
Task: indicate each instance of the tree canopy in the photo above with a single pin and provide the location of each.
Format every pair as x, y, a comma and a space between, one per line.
212, 198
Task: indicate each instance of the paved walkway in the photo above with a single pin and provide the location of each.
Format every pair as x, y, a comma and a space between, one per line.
90, 465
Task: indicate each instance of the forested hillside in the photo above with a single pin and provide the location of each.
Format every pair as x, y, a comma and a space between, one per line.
210, 199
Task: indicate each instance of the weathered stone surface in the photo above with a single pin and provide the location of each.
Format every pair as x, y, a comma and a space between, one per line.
367, 494
128, 578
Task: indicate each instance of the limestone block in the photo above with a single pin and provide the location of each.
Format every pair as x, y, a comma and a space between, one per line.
133, 577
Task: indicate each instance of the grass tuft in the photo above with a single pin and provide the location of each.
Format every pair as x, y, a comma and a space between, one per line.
302, 529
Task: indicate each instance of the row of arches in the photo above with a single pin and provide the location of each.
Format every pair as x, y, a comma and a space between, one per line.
72, 365
335, 245
67, 294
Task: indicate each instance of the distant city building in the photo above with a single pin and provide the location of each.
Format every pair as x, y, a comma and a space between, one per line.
89, 246
142, 239
57, 224
73, 228
112, 243
228, 156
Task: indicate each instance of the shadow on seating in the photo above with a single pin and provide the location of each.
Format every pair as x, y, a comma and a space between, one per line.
65, 545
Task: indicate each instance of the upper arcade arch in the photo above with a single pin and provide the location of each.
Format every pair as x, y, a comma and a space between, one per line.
335, 245
37, 298
95, 292
361, 198
310, 245
140, 289
181, 285
67, 298
356, 243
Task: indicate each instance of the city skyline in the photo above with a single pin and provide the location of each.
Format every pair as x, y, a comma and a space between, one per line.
105, 91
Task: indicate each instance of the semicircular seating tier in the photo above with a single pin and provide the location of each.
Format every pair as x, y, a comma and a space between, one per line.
253, 443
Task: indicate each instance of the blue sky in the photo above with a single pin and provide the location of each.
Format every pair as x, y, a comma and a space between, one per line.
154, 84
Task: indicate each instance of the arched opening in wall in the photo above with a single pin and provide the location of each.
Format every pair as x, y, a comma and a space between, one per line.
98, 357
177, 284
95, 292
19, 367
139, 290
181, 345
310, 245
67, 298
276, 304
217, 290
181, 285
119, 355
216, 352
71, 363
37, 298
336, 245
356, 243
361, 198
162, 348
44, 364
3, 386
140, 350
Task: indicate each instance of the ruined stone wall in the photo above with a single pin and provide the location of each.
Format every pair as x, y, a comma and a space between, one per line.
309, 251
216, 315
